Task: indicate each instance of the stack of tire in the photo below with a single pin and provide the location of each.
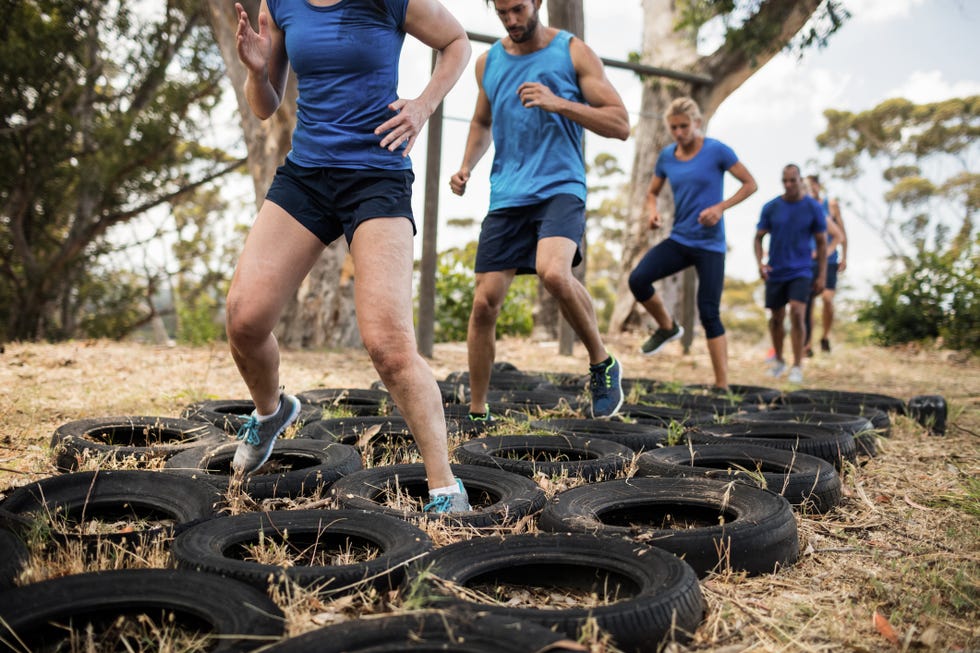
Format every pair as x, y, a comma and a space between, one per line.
687, 483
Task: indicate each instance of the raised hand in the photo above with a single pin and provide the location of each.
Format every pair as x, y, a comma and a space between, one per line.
254, 48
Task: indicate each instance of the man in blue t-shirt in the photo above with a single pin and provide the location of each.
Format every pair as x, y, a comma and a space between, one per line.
539, 88
791, 220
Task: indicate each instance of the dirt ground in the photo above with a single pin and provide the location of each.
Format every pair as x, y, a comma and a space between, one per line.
896, 567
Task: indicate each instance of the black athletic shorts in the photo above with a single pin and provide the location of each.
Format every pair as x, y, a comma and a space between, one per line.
334, 201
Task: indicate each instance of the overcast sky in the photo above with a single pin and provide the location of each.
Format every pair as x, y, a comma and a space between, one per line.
924, 50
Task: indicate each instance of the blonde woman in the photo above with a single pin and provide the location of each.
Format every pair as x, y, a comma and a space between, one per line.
695, 166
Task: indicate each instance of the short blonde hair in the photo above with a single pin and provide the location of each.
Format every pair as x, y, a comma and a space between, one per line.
684, 106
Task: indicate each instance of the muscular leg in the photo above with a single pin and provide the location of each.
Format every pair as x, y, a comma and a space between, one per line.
663, 260
481, 334
383, 300
777, 331
797, 334
655, 307
554, 268
278, 254
718, 352
828, 312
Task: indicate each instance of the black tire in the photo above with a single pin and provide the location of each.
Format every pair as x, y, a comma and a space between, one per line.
879, 419
139, 437
13, 557
874, 400
230, 415
751, 530
553, 455
638, 437
744, 394
348, 430
502, 380
535, 399
715, 404
354, 401
69, 501
860, 428
237, 617
810, 439
930, 411
665, 415
296, 467
497, 497
426, 631
806, 481
220, 546
662, 598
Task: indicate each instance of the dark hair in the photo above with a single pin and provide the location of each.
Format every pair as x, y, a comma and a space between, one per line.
792, 165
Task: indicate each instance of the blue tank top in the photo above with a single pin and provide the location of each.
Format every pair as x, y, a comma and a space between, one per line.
345, 57
697, 184
537, 154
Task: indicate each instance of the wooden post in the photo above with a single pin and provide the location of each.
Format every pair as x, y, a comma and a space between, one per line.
569, 15
425, 329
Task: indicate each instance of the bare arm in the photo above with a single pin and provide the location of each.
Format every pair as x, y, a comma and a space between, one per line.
764, 269
711, 215
653, 192
839, 221
479, 138
821, 280
433, 25
603, 111
263, 54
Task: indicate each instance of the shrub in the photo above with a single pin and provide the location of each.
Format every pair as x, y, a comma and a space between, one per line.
934, 296
455, 281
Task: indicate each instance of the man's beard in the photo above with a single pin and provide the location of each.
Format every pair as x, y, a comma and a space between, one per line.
526, 33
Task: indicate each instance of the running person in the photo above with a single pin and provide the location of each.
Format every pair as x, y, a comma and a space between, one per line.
792, 220
695, 166
539, 87
348, 173
836, 263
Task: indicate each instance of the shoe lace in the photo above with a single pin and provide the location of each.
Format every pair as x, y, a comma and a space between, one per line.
439, 503
249, 431
599, 381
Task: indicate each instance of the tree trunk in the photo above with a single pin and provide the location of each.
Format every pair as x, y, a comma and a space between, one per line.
665, 47
322, 312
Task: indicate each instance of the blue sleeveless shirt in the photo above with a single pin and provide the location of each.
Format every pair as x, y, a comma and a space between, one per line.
345, 57
537, 154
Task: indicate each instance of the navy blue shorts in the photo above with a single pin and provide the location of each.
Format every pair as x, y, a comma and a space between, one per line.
509, 237
779, 293
831, 283
334, 201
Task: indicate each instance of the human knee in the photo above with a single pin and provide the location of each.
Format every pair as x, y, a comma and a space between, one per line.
243, 328
391, 356
485, 308
555, 281
640, 286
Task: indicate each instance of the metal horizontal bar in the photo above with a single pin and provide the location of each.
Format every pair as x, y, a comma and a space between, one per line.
643, 69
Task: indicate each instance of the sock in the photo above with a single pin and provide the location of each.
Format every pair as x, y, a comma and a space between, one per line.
449, 489
604, 364
263, 418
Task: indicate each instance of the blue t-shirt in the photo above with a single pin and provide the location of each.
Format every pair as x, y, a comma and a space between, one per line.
697, 184
345, 57
791, 226
537, 153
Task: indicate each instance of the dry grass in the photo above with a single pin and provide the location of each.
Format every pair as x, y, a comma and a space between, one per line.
896, 567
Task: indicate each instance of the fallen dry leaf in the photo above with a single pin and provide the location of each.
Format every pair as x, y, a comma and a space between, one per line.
885, 629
